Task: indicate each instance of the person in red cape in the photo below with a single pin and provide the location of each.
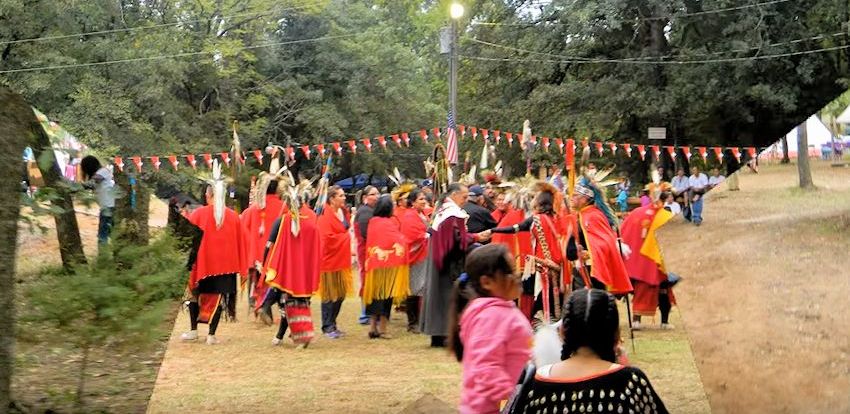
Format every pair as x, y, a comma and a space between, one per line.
507, 214
598, 245
292, 266
387, 267
652, 289
257, 222
218, 261
545, 230
414, 227
335, 280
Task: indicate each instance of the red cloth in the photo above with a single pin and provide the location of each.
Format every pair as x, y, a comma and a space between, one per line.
646, 298
385, 244
519, 243
221, 251
336, 241
293, 263
634, 229
552, 234
256, 227
415, 231
606, 262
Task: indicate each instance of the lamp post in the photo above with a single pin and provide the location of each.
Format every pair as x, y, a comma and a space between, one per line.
456, 12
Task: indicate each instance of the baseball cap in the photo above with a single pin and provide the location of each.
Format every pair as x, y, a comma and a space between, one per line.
476, 190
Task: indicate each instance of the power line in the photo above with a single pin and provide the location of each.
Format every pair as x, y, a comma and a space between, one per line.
177, 55
656, 58
662, 62
692, 14
156, 26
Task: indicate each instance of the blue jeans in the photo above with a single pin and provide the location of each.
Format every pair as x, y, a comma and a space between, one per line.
696, 210
104, 225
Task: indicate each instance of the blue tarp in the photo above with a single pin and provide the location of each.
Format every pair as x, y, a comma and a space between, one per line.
361, 180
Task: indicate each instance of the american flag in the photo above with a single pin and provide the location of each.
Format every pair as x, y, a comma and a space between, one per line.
451, 140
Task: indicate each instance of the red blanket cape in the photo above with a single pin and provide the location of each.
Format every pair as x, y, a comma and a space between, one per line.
253, 220
293, 264
607, 263
519, 243
552, 234
221, 251
385, 245
414, 230
638, 265
336, 241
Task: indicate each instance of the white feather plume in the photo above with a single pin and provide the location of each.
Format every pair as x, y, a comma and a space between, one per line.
219, 191
547, 345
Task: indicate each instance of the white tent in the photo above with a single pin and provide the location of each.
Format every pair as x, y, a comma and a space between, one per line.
818, 134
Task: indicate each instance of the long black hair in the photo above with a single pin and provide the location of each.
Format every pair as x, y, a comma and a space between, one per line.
412, 196
384, 207
591, 320
546, 203
488, 260
89, 164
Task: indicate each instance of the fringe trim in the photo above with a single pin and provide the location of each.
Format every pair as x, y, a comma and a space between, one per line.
388, 283
334, 286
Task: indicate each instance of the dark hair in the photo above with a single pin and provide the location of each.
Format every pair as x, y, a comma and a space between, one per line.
366, 190
89, 164
664, 195
591, 319
487, 260
332, 191
545, 202
413, 195
384, 207
272, 189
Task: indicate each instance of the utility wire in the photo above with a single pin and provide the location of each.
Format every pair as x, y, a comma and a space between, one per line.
156, 26
675, 16
177, 55
662, 62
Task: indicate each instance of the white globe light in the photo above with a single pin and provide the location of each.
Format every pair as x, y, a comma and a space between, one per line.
456, 11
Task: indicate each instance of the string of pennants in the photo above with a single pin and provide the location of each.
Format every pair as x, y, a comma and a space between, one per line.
490, 136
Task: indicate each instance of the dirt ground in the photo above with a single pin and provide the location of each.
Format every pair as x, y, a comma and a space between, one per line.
765, 292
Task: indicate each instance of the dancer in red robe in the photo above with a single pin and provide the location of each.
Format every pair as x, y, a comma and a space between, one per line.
257, 222
218, 261
414, 227
336, 276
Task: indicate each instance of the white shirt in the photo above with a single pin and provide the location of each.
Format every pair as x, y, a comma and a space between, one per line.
698, 182
713, 181
674, 207
680, 184
105, 188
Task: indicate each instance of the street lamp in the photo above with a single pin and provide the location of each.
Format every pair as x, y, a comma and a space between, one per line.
456, 12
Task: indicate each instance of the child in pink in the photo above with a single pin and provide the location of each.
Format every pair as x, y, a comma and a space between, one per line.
493, 338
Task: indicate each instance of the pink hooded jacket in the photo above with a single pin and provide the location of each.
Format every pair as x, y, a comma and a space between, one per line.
496, 341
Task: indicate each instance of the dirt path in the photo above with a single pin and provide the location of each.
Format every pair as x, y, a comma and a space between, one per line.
764, 298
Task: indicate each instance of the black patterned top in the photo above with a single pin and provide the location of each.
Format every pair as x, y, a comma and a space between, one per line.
623, 390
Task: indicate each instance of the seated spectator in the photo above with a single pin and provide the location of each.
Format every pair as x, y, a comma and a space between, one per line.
715, 178
670, 203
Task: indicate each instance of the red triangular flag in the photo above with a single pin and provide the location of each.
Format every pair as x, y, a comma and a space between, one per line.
737, 153
173, 160
702, 153
191, 159
613, 147
137, 161
383, 141
225, 156
510, 137
396, 139
258, 154
424, 135
598, 146
119, 163
436, 132
306, 150
337, 148
462, 130
751, 151
628, 149
656, 151
687, 152
546, 143
321, 149
497, 135
560, 143
155, 162
474, 132
671, 150
352, 146
367, 143
290, 153
718, 152
642, 151
405, 138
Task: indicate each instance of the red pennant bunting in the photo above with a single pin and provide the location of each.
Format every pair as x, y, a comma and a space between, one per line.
225, 156
718, 152
320, 148
613, 148
510, 138
642, 151
155, 162
137, 161
497, 135
119, 163
258, 154
546, 143
656, 152
290, 153
462, 129
406, 138
687, 152
306, 150
191, 159
352, 146
570, 155
396, 139
702, 153
737, 153
560, 143
173, 160
751, 151
241, 158
474, 132
383, 141
534, 139
337, 148
671, 150
598, 146
628, 149
367, 143
436, 132
424, 135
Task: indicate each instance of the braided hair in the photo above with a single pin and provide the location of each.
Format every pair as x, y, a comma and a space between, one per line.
591, 320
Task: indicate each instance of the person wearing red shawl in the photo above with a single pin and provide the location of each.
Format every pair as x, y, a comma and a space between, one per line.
387, 267
507, 215
335, 280
447, 247
652, 288
218, 261
598, 246
546, 292
257, 222
295, 235
414, 227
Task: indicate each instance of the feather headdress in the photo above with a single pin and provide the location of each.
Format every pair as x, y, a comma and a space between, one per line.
219, 188
589, 187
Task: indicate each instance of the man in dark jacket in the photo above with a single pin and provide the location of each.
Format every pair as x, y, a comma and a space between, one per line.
480, 218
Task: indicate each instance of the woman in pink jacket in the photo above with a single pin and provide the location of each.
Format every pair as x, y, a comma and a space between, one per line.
493, 338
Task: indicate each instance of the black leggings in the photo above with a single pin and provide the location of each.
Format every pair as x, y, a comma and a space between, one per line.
195, 311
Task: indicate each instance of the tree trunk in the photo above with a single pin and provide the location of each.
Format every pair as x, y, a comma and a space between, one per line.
79, 403
803, 167
785, 158
16, 119
132, 209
